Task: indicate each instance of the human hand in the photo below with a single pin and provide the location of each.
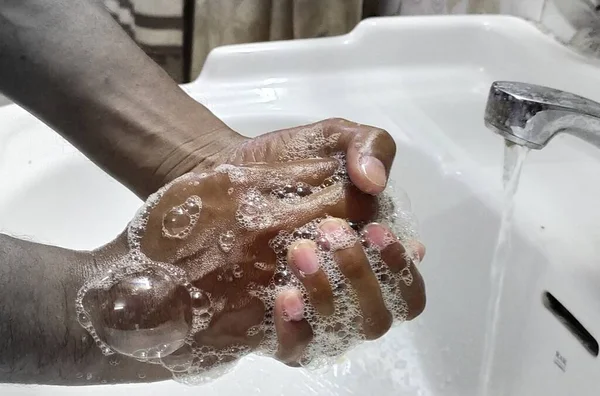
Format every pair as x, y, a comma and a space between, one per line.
369, 151
200, 288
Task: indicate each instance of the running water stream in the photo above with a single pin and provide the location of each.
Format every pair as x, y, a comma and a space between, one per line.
514, 157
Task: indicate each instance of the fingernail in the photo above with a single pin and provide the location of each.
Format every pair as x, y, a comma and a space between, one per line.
293, 306
304, 257
330, 225
418, 248
374, 170
378, 235
338, 235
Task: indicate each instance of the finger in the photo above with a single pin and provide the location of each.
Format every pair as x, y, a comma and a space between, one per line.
282, 175
341, 200
293, 332
370, 152
303, 260
394, 255
354, 265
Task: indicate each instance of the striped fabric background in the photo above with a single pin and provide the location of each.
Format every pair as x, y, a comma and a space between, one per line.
163, 29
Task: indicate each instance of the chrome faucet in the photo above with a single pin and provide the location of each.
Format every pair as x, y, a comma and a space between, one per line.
531, 115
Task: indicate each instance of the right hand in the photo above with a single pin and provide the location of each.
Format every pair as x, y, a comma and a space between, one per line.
226, 256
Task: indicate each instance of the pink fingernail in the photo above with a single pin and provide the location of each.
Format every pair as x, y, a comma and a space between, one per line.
373, 170
379, 235
304, 257
293, 306
331, 225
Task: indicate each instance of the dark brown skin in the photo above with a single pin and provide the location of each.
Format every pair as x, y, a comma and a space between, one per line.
70, 64
221, 197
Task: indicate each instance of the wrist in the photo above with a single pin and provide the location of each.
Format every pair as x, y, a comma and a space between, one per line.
198, 147
159, 139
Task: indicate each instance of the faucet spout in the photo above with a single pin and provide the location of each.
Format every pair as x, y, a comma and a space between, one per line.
531, 115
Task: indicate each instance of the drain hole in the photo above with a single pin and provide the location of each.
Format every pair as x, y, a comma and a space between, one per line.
570, 322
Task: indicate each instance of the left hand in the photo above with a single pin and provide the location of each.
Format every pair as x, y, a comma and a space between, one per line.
369, 151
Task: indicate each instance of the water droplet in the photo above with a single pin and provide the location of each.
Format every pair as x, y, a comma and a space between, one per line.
323, 244
279, 193
141, 375
307, 235
140, 354
358, 320
281, 278
153, 353
327, 182
79, 375
204, 315
84, 319
406, 276
207, 361
261, 266
200, 300
226, 241
279, 247
249, 209
252, 331
193, 205
302, 190
175, 222
180, 360
89, 376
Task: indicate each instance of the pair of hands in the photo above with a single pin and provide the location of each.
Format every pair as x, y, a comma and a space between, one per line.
258, 170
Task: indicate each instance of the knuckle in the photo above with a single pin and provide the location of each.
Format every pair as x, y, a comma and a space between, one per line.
338, 124
352, 267
337, 121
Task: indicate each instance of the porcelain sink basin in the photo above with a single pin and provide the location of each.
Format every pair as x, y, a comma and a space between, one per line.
425, 80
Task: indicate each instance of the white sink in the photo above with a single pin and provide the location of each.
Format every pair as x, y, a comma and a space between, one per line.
425, 80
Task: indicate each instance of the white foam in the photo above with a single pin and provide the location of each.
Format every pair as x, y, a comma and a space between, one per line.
333, 335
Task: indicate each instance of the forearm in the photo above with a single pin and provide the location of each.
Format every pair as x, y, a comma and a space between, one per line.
41, 341
72, 66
